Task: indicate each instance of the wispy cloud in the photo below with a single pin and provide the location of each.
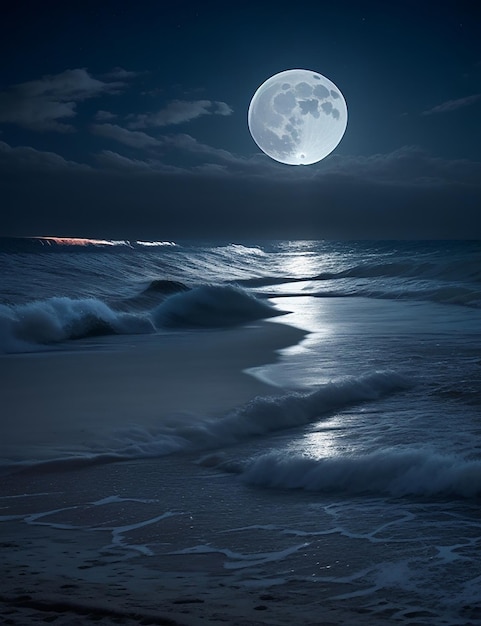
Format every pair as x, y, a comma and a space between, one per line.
132, 138
119, 73
189, 144
453, 105
113, 161
45, 104
27, 158
179, 111
407, 166
223, 109
104, 116
180, 142
404, 194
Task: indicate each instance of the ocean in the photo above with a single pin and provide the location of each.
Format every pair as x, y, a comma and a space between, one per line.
255, 432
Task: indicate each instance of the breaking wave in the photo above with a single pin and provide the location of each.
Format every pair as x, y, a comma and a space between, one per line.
395, 472
58, 319
258, 417
212, 306
155, 292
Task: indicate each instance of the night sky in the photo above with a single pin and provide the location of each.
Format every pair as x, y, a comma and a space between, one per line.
128, 120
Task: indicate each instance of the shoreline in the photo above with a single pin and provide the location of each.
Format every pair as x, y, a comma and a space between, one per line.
76, 399
177, 541
57, 569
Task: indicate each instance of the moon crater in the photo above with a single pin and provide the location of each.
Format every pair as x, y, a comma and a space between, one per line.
309, 106
297, 117
284, 102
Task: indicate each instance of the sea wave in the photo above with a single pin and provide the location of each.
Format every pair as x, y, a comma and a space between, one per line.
464, 270
74, 244
258, 417
445, 272
212, 306
58, 319
455, 269
164, 287
446, 294
155, 292
452, 281
395, 472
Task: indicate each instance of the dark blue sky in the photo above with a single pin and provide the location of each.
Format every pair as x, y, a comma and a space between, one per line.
128, 119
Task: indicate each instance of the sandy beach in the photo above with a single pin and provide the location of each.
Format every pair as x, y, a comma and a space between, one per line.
83, 548
77, 545
52, 577
59, 399
106, 543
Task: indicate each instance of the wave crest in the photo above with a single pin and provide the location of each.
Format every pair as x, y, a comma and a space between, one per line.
212, 306
258, 417
418, 472
59, 319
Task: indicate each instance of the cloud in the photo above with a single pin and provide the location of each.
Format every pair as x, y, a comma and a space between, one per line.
407, 166
104, 116
25, 158
180, 142
132, 138
223, 109
453, 105
115, 162
45, 104
189, 144
120, 73
179, 111
403, 194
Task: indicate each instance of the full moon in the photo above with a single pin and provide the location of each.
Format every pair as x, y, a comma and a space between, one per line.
297, 117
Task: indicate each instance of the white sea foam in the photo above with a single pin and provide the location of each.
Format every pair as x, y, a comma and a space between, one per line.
155, 244
58, 319
119, 533
239, 560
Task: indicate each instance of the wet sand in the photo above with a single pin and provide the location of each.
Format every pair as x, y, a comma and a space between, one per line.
68, 398
166, 540
71, 566
71, 549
